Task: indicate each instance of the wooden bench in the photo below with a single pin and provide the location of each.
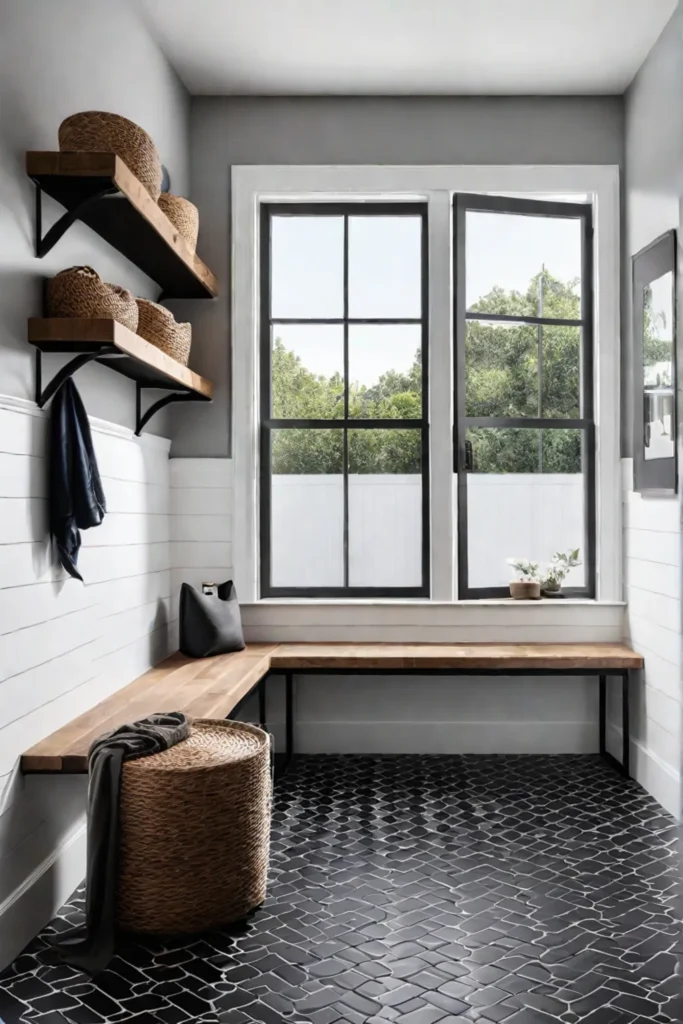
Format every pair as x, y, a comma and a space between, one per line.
215, 687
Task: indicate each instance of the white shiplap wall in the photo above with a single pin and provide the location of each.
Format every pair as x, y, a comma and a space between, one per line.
201, 523
65, 645
652, 558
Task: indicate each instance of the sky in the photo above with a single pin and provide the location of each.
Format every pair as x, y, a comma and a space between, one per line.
384, 279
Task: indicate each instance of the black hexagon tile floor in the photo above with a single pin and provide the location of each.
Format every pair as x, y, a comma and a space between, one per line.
416, 890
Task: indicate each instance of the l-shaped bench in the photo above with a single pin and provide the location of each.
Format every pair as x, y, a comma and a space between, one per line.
215, 687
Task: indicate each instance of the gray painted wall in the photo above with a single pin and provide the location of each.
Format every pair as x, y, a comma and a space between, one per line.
55, 59
359, 130
654, 171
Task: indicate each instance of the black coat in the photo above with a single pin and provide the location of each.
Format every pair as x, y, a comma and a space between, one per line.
76, 496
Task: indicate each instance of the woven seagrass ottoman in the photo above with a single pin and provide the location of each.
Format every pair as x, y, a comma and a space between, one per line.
194, 831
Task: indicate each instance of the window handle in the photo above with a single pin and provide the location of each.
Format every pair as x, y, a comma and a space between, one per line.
468, 460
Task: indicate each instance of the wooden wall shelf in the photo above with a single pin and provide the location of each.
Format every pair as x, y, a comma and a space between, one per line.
99, 190
110, 343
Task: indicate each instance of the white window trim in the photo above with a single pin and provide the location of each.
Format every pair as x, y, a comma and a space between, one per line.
253, 185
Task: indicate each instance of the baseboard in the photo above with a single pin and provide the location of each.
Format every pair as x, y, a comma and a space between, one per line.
659, 779
41, 894
339, 737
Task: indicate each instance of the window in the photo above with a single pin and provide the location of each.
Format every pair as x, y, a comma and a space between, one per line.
523, 389
344, 444
348, 489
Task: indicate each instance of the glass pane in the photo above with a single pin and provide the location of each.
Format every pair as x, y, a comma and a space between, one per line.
523, 265
385, 275
307, 371
307, 519
502, 365
658, 359
501, 362
385, 371
525, 500
385, 508
307, 267
561, 376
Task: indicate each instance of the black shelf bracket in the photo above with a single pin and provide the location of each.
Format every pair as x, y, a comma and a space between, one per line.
141, 419
68, 370
104, 353
45, 244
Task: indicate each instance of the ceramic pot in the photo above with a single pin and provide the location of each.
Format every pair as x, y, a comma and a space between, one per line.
522, 590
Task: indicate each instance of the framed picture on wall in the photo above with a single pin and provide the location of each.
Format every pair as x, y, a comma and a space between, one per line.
654, 366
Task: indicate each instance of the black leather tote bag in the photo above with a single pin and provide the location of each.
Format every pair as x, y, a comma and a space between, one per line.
210, 622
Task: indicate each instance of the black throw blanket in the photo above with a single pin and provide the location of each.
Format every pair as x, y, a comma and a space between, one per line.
76, 496
90, 947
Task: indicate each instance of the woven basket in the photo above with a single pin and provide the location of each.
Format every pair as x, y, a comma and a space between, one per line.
95, 131
81, 292
194, 831
183, 214
157, 325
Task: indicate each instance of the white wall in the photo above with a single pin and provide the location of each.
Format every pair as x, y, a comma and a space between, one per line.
652, 576
65, 645
201, 523
652, 542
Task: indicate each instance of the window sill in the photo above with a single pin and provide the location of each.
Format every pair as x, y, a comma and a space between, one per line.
497, 620
489, 602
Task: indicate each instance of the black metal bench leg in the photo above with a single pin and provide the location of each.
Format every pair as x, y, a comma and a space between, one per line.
289, 717
623, 766
603, 715
625, 725
262, 717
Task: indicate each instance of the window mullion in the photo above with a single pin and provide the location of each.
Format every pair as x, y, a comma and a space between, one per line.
345, 435
442, 504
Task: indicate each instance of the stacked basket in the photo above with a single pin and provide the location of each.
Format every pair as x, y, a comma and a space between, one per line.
157, 325
183, 214
79, 291
96, 131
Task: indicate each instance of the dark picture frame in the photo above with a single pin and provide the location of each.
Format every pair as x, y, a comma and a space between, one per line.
654, 389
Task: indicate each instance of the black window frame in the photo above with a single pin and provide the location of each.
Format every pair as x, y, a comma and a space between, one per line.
268, 423
462, 203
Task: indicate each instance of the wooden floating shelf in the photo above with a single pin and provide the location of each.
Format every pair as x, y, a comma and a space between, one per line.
138, 359
99, 190
110, 343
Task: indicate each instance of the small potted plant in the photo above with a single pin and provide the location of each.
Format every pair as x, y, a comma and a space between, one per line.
527, 584
555, 574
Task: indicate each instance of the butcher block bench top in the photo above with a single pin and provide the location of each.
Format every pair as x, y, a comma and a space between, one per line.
213, 687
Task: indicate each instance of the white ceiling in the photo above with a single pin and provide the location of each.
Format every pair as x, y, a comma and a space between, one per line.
478, 47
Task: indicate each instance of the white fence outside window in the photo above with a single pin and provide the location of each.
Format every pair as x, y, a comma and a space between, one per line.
522, 515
